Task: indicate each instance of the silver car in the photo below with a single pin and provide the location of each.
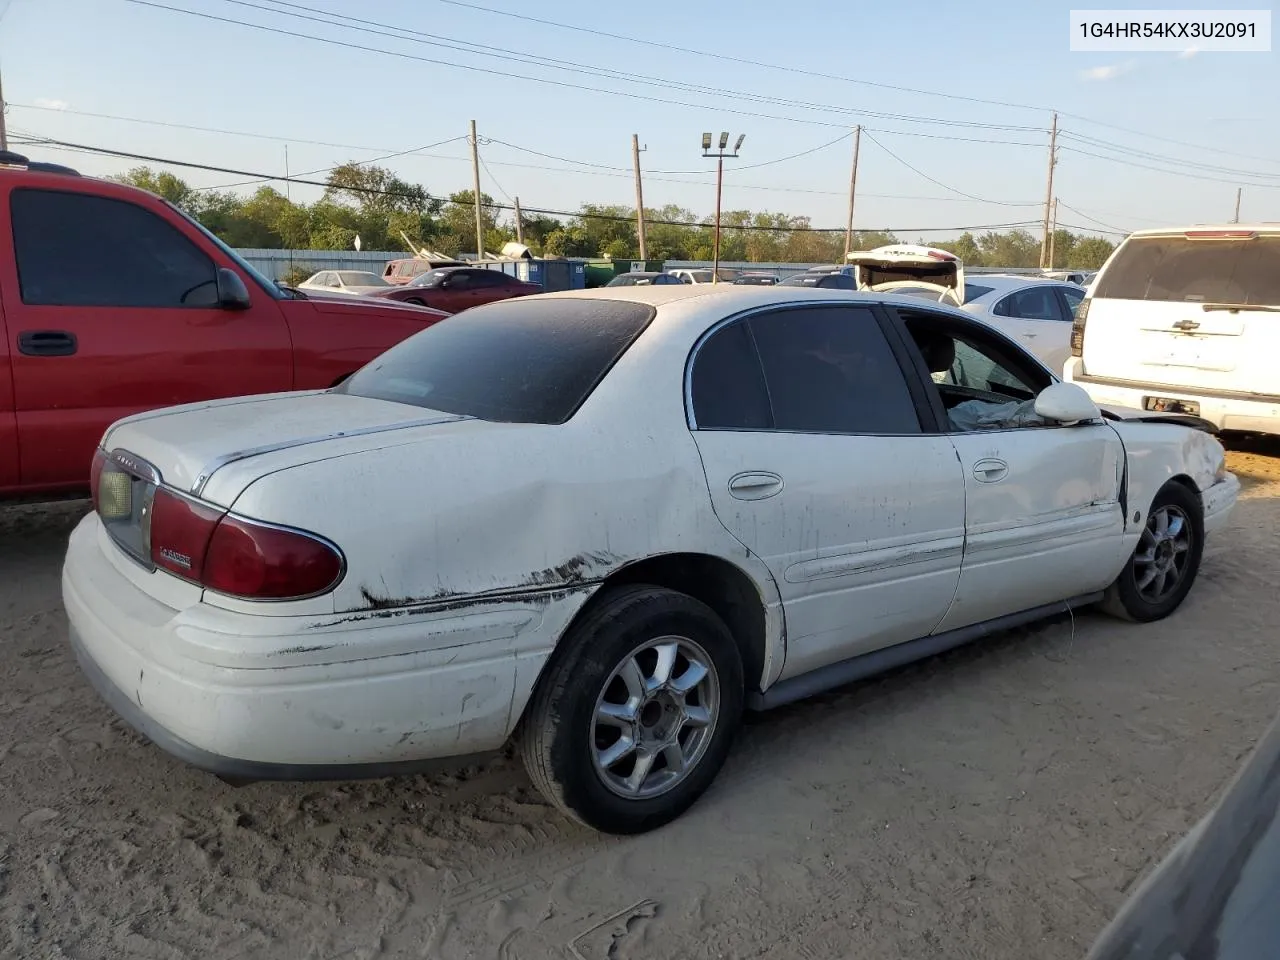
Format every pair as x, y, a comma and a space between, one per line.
1035, 310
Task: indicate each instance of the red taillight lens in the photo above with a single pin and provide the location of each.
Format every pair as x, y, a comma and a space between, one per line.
236, 556
256, 561
180, 530
95, 474
1077, 328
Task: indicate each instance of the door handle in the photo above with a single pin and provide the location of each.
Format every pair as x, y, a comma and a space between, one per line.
47, 343
990, 471
755, 486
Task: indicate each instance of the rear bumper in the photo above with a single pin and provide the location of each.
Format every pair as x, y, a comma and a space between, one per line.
1226, 411
298, 698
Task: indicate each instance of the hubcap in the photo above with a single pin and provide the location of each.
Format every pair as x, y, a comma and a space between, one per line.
655, 717
1164, 550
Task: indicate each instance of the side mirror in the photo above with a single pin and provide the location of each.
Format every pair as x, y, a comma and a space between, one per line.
1066, 403
232, 293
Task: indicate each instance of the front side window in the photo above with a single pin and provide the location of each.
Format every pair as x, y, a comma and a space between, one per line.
829, 369
982, 385
519, 360
124, 255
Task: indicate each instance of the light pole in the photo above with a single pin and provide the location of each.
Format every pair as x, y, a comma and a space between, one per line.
719, 155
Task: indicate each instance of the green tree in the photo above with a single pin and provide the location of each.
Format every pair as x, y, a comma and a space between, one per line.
1090, 253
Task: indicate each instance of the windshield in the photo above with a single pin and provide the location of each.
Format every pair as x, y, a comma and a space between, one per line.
1179, 269
358, 278
269, 286
431, 278
531, 360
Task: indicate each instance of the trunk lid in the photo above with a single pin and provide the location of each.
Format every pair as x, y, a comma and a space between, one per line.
195, 447
907, 265
1194, 309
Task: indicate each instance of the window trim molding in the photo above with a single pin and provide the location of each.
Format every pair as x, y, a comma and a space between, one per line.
925, 415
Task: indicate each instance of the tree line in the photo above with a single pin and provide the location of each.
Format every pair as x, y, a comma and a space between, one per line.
381, 209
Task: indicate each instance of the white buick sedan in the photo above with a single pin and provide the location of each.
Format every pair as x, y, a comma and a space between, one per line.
605, 523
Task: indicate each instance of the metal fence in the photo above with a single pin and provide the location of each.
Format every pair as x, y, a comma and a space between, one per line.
276, 264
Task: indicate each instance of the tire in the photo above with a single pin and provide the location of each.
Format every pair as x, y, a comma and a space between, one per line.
1177, 553
565, 745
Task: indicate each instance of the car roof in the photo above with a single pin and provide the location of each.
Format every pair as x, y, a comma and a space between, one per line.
699, 305
1010, 281
1268, 228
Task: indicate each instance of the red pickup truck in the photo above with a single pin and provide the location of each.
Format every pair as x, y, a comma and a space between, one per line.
113, 301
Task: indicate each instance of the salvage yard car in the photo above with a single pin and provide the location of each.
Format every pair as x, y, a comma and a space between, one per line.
605, 522
1186, 320
113, 300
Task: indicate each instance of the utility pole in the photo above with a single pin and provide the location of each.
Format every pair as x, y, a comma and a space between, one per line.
4, 134
719, 156
475, 179
635, 162
853, 189
1239, 190
519, 222
1053, 233
1048, 195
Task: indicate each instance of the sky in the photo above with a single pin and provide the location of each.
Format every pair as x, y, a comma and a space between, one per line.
955, 104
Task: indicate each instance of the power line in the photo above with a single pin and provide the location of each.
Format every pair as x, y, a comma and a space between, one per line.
1147, 155
1106, 226
1173, 173
507, 75
419, 153
846, 79
580, 215
480, 157
917, 171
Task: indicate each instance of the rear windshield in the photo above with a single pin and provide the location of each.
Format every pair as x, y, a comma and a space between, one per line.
532, 360
973, 291
1180, 270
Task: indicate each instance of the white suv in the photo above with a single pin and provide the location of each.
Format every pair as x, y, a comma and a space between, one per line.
1186, 321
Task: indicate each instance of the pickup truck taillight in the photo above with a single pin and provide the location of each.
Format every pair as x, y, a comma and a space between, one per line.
1077, 328
237, 556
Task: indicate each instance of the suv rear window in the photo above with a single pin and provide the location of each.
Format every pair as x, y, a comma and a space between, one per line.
1180, 269
515, 361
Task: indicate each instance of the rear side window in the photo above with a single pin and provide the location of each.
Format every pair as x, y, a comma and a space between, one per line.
728, 385
1031, 303
1181, 269
527, 360
830, 370
80, 250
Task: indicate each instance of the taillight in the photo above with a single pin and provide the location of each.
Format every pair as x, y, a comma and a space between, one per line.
258, 561
180, 530
237, 556
1077, 328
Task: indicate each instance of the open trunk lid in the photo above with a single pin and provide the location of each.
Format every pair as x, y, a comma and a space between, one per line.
1191, 309
906, 265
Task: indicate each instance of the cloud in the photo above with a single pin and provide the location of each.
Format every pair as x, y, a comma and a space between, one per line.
1188, 53
48, 104
1109, 72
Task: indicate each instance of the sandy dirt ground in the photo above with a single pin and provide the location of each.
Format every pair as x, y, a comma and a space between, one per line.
996, 802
